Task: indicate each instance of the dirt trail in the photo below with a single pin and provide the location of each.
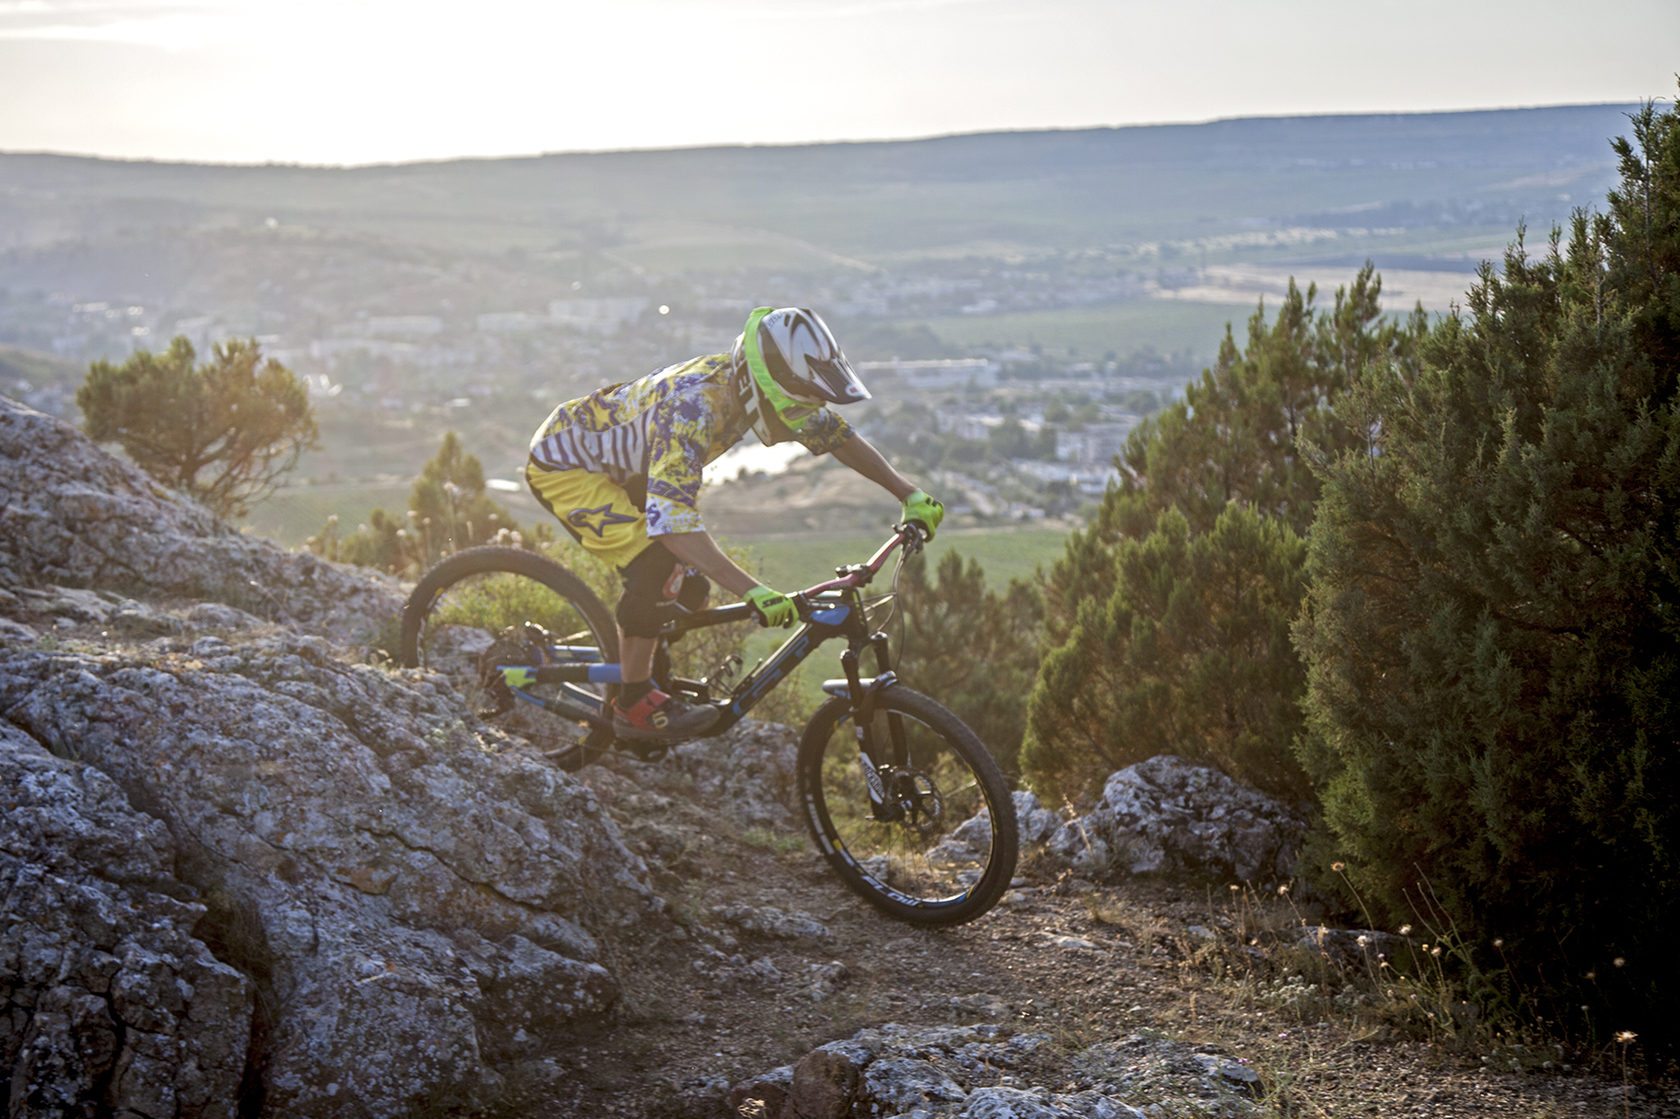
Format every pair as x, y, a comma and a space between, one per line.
718, 1001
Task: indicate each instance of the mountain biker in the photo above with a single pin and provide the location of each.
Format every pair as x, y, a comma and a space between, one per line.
621, 468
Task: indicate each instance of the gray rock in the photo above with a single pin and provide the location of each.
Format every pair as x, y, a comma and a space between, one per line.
1017, 1103
1159, 1069
895, 1084
1362, 950
1036, 823
74, 516
746, 773
402, 886
968, 841
1168, 815
931, 1072
765, 920
111, 998
1216, 1067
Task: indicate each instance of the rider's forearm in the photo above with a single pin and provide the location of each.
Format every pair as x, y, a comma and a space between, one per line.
859, 454
699, 551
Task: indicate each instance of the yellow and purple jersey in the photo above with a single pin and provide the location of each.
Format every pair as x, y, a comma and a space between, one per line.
661, 431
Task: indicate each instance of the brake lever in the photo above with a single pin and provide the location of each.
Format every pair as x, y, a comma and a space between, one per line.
915, 535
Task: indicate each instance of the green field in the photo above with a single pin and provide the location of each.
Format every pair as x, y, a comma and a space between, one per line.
788, 562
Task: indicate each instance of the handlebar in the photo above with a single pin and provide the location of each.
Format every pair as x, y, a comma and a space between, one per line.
910, 535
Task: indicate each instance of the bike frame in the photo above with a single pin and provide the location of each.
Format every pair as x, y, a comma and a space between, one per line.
829, 610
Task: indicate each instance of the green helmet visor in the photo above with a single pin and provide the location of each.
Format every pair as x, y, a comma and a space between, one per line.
791, 412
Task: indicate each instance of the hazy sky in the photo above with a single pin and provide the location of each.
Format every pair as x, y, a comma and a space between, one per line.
363, 81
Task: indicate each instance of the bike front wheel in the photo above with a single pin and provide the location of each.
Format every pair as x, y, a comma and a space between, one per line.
490, 606
912, 813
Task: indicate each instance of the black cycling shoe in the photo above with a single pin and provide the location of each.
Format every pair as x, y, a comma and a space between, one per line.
658, 717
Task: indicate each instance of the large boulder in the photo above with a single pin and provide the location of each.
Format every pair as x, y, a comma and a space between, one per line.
75, 516
1168, 815
417, 900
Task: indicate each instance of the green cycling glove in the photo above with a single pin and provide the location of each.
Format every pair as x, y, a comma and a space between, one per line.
923, 510
772, 607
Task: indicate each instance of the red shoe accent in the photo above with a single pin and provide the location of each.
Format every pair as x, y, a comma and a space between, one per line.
659, 716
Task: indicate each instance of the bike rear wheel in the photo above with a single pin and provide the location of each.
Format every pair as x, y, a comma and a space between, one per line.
473, 611
941, 849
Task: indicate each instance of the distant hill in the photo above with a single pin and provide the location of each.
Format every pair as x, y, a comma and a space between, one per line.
45, 383
948, 233
874, 201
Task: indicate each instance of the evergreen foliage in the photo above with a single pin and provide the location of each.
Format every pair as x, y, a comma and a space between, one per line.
448, 509
224, 432
1189, 655
973, 648
1167, 618
1493, 625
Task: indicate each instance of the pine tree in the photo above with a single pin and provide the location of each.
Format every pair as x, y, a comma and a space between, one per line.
973, 648
1222, 478
224, 432
1493, 624
448, 509
1190, 655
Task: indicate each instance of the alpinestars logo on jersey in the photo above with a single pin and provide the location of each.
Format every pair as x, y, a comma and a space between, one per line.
597, 520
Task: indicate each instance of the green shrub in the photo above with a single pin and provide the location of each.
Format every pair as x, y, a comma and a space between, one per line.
973, 649
1190, 655
1166, 620
1493, 622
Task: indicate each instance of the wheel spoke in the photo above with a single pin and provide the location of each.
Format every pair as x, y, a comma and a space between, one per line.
934, 856
492, 607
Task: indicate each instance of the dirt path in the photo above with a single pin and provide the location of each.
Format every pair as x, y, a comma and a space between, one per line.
771, 957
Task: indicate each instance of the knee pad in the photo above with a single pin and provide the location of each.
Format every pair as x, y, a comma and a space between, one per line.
651, 583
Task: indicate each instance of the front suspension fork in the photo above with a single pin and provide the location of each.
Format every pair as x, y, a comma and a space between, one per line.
883, 762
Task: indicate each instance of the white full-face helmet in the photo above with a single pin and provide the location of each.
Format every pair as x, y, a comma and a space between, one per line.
787, 366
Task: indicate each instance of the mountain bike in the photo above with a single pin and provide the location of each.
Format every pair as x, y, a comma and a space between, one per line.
899, 794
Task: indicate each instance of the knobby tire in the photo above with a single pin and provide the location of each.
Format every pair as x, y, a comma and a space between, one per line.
493, 559
571, 599
903, 871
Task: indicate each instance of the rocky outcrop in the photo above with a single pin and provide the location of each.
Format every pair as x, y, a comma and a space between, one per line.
244, 871
110, 997
748, 770
416, 901
1168, 815
983, 1072
73, 516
